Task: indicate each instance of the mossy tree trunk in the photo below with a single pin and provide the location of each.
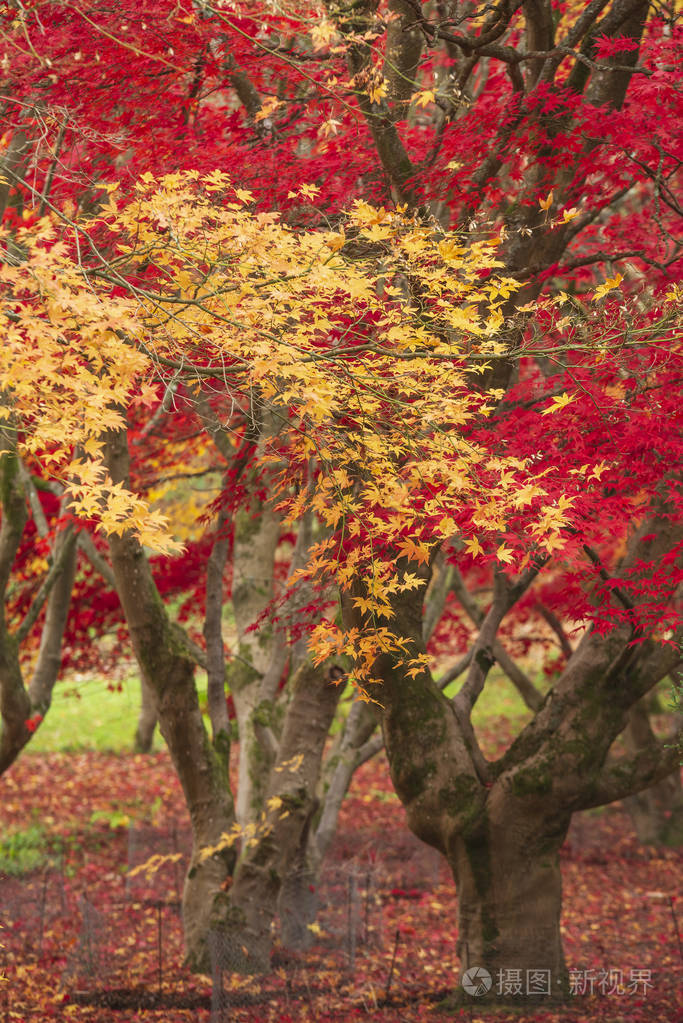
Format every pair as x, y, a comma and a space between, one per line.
507, 875
147, 719
276, 837
280, 793
656, 812
254, 675
501, 823
21, 701
262, 649
202, 766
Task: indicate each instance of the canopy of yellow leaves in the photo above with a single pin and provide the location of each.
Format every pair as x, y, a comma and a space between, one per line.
359, 339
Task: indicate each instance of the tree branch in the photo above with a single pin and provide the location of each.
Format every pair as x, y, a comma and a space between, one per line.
556, 625
213, 631
437, 592
505, 596
49, 659
578, 30
354, 19
357, 745
532, 697
97, 560
628, 775
42, 527
456, 670
54, 571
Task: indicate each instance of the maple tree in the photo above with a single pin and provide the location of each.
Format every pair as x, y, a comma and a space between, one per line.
378, 386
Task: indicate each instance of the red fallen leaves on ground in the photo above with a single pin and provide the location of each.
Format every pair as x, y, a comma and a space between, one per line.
620, 913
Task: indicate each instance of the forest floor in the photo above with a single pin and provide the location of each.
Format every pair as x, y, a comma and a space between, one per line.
83, 941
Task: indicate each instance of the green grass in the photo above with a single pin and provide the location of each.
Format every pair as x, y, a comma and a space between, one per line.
26, 850
499, 699
86, 715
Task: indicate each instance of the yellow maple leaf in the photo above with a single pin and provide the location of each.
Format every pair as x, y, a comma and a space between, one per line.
422, 99
413, 551
525, 495
610, 284
377, 90
364, 604
558, 402
308, 191
598, 470
329, 127
410, 581
267, 108
323, 33
378, 232
473, 547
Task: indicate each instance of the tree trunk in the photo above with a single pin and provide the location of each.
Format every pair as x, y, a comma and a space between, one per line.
656, 812
202, 767
203, 773
254, 674
17, 702
147, 720
501, 824
279, 834
509, 887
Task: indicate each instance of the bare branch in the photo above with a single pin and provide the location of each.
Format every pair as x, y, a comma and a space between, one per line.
505, 595
628, 775
97, 560
357, 744
456, 670
42, 527
54, 571
532, 697
435, 599
614, 257
163, 406
14, 514
49, 659
556, 625
213, 632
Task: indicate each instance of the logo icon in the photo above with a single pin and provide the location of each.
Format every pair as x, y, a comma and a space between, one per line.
476, 981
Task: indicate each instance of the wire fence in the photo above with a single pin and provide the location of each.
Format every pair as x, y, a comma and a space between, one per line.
326, 920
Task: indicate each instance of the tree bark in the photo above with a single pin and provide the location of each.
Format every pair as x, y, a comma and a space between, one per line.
202, 767
507, 876
273, 843
213, 634
254, 675
656, 812
403, 51
18, 703
500, 824
147, 719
